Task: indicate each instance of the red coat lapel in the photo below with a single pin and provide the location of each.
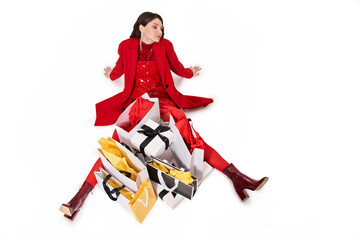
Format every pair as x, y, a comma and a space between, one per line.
159, 52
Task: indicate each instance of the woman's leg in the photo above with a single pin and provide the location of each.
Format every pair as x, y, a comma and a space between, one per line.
72, 208
212, 157
240, 180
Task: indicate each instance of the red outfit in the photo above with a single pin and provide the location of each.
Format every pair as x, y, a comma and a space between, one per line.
148, 71
110, 109
149, 76
148, 80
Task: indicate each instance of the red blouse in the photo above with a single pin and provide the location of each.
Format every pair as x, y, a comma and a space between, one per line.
146, 54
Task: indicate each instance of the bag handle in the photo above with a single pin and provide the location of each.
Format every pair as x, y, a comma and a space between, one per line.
164, 192
163, 184
147, 198
125, 145
127, 174
111, 192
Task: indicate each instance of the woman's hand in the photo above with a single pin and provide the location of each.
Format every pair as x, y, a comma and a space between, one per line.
107, 72
195, 70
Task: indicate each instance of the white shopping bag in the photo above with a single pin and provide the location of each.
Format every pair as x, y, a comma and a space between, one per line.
115, 196
133, 161
153, 114
140, 203
193, 162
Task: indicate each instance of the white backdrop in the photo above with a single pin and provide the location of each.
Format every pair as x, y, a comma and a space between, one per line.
284, 76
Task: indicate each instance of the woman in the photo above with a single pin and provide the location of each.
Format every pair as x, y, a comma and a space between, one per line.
146, 59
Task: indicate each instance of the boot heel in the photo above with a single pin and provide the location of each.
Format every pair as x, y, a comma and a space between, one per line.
242, 194
64, 208
71, 218
263, 181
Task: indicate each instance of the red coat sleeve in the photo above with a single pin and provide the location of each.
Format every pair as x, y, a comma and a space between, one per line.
175, 64
118, 70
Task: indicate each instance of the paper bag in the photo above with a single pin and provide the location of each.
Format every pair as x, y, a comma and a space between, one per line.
109, 190
192, 161
169, 183
133, 161
153, 113
141, 202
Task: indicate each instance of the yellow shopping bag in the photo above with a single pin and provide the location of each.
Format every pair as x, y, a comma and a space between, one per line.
119, 160
143, 201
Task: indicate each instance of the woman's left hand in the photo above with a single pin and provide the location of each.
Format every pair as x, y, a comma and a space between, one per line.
195, 70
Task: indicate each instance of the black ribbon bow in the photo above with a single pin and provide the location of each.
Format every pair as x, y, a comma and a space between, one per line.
151, 134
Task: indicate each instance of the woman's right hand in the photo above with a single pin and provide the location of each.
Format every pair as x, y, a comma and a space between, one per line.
107, 72
195, 70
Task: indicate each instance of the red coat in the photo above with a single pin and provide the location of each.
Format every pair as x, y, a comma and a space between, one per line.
108, 111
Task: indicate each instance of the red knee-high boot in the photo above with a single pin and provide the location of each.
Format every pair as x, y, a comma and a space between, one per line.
72, 208
240, 180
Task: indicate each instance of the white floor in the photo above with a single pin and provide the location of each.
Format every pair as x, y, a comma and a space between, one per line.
285, 79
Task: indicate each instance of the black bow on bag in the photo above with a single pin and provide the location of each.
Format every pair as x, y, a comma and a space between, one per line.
151, 134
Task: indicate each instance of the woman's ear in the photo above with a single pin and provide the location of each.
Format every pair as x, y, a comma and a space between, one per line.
141, 28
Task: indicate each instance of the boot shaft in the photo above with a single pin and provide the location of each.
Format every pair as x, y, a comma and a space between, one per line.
242, 180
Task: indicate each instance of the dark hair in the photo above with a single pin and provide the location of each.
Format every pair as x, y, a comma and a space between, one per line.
144, 19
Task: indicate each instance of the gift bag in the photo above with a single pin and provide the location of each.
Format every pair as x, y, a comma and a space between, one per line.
194, 161
123, 135
139, 203
143, 201
131, 180
113, 187
179, 155
171, 178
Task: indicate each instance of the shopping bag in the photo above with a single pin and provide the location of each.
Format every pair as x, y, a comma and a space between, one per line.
169, 182
139, 203
102, 177
142, 174
179, 156
153, 113
143, 201
193, 161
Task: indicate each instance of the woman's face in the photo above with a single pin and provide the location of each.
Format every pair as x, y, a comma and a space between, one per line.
152, 32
